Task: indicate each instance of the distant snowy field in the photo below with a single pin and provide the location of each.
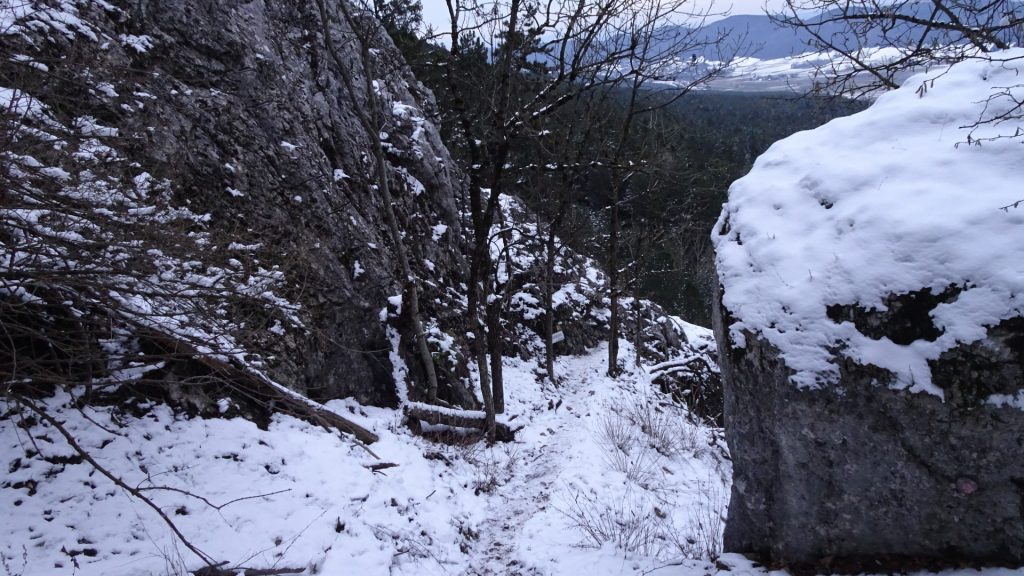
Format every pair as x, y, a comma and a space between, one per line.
796, 74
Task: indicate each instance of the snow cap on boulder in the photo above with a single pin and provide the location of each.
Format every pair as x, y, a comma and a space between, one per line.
912, 196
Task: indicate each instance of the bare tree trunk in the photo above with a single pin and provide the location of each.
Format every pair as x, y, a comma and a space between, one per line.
485, 385
479, 345
477, 327
478, 255
638, 340
549, 307
482, 212
498, 303
494, 346
613, 283
619, 182
637, 312
497, 162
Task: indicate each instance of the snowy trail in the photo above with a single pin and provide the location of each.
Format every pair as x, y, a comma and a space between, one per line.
560, 500
560, 454
527, 491
315, 503
522, 497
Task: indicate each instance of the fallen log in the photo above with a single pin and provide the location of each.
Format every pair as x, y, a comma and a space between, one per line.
379, 466
259, 385
672, 366
218, 571
316, 413
453, 418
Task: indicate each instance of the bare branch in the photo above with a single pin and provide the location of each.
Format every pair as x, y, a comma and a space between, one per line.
44, 415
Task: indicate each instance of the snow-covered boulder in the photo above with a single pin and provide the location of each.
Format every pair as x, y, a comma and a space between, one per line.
871, 330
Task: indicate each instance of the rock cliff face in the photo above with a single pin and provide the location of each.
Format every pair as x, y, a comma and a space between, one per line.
239, 110
865, 473
871, 338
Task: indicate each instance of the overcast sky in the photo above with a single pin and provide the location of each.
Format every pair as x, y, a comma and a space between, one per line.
435, 12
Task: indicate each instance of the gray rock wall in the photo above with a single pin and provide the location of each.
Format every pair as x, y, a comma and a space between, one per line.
238, 106
864, 473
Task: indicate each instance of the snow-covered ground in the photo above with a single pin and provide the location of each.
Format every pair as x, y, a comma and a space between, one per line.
605, 477
798, 73
802, 70
294, 496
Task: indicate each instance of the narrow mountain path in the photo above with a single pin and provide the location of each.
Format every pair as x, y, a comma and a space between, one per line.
527, 471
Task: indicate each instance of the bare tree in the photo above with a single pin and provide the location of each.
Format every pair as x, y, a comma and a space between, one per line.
924, 33
650, 63
543, 56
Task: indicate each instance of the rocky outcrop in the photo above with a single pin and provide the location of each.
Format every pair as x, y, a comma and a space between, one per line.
239, 110
871, 335
222, 154
864, 473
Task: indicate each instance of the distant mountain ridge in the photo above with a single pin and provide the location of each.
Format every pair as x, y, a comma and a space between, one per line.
758, 36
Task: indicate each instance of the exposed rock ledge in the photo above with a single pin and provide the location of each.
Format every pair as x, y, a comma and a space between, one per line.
862, 470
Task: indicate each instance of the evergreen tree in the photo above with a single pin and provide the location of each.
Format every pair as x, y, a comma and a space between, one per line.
402, 20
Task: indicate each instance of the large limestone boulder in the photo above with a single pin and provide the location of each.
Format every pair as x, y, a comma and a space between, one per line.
871, 332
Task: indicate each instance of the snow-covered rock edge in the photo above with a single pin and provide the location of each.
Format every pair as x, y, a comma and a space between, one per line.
904, 196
